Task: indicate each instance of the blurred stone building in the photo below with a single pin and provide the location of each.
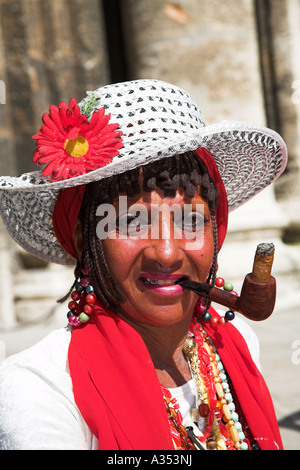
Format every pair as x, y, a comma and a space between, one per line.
237, 58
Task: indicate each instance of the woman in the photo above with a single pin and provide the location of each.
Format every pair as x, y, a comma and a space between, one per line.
138, 198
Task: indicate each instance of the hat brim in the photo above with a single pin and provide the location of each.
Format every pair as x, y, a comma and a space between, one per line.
248, 157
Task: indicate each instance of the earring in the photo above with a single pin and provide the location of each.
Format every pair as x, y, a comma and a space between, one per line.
82, 304
215, 321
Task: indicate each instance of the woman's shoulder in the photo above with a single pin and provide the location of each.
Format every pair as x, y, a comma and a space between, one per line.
47, 356
37, 407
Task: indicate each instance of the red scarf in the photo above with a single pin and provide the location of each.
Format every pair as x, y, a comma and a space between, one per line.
119, 396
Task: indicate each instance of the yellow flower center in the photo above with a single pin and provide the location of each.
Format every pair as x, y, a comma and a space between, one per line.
77, 147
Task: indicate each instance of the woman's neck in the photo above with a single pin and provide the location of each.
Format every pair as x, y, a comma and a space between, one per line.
164, 344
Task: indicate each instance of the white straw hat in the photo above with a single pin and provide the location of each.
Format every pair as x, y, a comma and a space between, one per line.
144, 121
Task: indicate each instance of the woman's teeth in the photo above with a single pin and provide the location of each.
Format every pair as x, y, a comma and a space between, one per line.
158, 282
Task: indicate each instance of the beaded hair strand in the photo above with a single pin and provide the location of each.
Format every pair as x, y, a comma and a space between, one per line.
186, 171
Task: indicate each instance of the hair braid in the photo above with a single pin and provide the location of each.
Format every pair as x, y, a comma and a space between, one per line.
93, 256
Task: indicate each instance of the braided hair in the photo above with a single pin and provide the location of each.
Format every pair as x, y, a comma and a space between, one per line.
185, 170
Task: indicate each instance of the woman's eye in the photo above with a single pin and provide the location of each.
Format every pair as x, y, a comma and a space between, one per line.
124, 220
131, 225
193, 222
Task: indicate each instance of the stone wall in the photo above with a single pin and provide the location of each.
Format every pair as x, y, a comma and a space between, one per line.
279, 37
208, 48
51, 50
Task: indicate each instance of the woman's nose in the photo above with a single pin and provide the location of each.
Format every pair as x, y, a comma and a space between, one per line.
164, 252
164, 246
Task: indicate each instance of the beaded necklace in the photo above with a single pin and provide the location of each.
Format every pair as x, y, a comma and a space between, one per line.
223, 431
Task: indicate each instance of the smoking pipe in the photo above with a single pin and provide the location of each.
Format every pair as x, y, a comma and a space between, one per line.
258, 294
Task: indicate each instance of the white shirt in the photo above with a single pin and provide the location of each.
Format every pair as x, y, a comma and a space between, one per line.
37, 406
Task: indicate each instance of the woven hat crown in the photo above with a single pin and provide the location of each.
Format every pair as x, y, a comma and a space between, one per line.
146, 107
149, 112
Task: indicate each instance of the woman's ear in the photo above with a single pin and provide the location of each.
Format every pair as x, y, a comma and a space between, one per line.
78, 238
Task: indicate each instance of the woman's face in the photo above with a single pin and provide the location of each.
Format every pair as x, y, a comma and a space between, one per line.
165, 245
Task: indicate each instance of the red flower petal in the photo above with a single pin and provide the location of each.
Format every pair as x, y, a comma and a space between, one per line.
75, 108
43, 160
63, 117
44, 141
73, 133
102, 123
57, 176
65, 173
50, 124
98, 114
98, 163
47, 149
52, 167
54, 114
36, 136
48, 133
107, 141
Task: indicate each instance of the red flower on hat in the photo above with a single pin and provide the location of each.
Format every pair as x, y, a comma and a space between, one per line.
71, 145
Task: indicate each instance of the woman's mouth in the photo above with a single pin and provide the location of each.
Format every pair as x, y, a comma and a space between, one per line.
163, 284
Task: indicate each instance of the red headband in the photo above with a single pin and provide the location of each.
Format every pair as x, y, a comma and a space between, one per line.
222, 210
69, 201
65, 216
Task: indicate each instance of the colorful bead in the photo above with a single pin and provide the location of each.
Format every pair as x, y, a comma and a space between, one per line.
89, 289
214, 321
85, 282
206, 317
83, 318
72, 305
225, 386
221, 321
203, 410
75, 295
211, 444
78, 287
76, 322
88, 309
228, 286
229, 315
219, 282
244, 446
91, 298
72, 318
